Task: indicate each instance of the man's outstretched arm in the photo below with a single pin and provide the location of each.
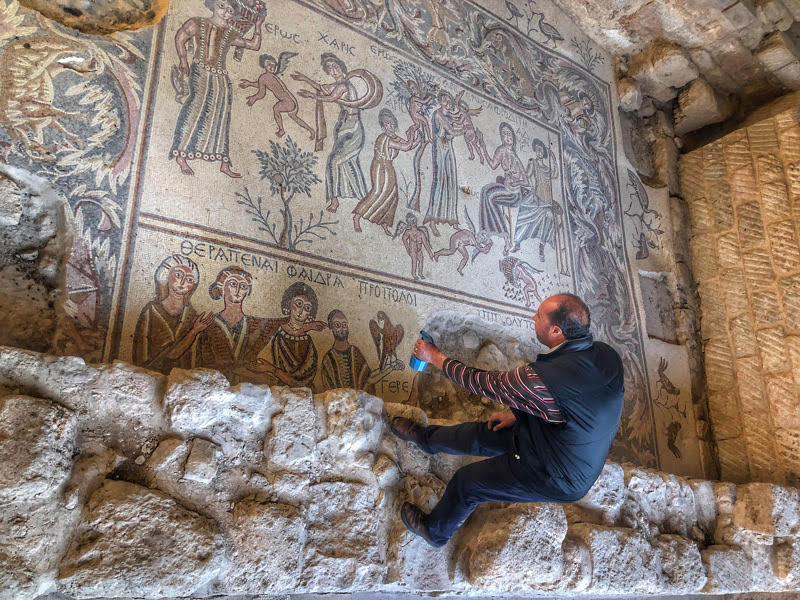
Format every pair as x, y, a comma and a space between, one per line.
521, 389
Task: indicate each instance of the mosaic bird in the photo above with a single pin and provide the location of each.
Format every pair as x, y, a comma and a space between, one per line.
513, 11
664, 381
551, 33
387, 338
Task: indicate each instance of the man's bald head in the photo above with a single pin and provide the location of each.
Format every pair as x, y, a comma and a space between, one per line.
571, 315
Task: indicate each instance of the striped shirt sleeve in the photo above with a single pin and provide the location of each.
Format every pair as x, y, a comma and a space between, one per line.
521, 389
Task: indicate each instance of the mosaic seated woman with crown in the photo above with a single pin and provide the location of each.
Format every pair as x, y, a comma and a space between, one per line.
166, 331
203, 127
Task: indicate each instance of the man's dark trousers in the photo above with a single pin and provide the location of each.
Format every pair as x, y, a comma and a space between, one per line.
491, 480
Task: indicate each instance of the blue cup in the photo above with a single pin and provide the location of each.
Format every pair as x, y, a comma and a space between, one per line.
415, 363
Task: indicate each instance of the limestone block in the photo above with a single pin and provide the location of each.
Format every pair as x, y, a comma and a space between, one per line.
118, 405
395, 409
37, 444
665, 162
101, 17
329, 573
292, 443
347, 520
751, 227
660, 69
657, 502
767, 510
630, 96
491, 358
789, 75
777, 50
786, 562
741, 14
728, 570
758, 271
515, 549
386, 472
783, 400
413, 564
719, 365
705, 503
742, 336
203, 461
785, 247
772, 349
577, 574
353, 426
266, 542
607, 494
704, 260
725, 415
203, 403
790, 295
681, 565
623, 562
134, 541
699, 105
787, 442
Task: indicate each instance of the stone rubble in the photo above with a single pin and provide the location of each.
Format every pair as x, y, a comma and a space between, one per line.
302, 492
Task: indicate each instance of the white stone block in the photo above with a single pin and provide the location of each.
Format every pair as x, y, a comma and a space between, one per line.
291, 445
623, 562
777, 50
266, 542
767, 510
203, 403
607, 493
134, 541
515, 549
353, 426
728, 570
681, 564
203, 461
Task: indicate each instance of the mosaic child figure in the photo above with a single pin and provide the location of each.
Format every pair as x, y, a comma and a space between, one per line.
270, 81
416, 104
415, 238
472, 135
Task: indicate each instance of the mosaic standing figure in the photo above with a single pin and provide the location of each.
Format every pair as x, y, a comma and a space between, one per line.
415, 239
167, 329
290, 355
380, 204
443, 206
203, 127
233, 340
507, 192
536, 219
344, 365
343, 175
269, 80
473, 136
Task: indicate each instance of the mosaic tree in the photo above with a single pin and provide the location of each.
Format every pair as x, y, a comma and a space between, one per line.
289, 171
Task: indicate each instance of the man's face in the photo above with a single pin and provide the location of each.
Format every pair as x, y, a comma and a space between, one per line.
223, 10
339, 327
541, 320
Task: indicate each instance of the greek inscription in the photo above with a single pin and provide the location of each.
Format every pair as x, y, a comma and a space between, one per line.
276, 30
393, 387
228, 255
341, 46
385, 292
314, 276
381, 52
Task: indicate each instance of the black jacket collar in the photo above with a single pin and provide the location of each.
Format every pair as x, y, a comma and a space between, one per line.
575, 345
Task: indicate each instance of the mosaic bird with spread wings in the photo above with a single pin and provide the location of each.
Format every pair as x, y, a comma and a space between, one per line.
387, 338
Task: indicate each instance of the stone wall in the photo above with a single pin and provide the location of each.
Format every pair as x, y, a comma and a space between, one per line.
117, 482
742, 193
176, 179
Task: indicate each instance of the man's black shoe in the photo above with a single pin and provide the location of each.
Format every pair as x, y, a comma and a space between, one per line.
406, 429
414, 519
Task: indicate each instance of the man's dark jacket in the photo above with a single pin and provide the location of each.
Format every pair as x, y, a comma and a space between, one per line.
586, 379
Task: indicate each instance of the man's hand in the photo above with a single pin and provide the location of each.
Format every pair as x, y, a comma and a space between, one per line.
429, 353
501, 420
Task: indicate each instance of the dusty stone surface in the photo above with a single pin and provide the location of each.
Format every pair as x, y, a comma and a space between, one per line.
101, 17
316, 510
700, 105
136, 541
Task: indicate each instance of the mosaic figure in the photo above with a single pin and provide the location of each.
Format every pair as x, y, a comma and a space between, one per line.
472, 135
387, 338
509, 191
203, 127
463, 239
415, 239
537, 217
520, 279
167, 329
380, 204
231, 343
443, 206
343, 175
344, 365
270, 81
290, 356
418, 99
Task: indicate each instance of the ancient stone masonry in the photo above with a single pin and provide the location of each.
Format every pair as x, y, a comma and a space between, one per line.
279, 490
288, 192
743, 193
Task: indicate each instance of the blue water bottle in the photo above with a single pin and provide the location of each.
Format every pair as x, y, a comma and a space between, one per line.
415, 363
